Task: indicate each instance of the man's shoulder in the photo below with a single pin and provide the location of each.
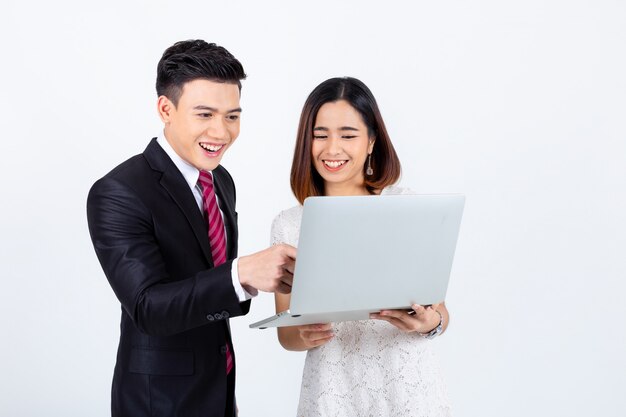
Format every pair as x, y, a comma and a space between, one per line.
129, 168
136, 167
132, 174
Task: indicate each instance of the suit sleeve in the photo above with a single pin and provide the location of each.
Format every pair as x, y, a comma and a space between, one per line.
122, 232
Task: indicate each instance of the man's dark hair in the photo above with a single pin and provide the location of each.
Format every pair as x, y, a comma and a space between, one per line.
195, 59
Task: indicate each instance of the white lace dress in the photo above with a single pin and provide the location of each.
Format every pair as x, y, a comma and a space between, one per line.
370, 368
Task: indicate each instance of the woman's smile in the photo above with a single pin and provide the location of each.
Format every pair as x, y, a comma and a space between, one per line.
334, 165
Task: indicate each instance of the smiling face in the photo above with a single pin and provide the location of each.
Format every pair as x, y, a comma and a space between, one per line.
340, 147
204, 123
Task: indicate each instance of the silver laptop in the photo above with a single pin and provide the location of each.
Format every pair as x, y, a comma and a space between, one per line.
359, 255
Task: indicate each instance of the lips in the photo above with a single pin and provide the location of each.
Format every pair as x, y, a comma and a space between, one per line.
211, 149
334, 164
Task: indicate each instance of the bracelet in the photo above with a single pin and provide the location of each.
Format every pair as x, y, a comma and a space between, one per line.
436, 331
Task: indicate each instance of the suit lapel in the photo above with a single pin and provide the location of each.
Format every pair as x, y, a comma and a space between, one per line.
174, 183
178, 188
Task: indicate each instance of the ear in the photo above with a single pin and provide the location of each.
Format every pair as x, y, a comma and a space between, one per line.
165, 108
370, 147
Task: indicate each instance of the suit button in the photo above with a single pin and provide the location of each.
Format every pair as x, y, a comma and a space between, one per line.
225, 314
223, 350
217, 316
210, 317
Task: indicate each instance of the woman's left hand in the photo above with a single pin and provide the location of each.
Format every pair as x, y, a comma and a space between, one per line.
421, 319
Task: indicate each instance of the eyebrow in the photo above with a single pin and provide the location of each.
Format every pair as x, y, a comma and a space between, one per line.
341, 128
213, 109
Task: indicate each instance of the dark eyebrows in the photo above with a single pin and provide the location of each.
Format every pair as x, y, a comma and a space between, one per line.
343, 128
214, 110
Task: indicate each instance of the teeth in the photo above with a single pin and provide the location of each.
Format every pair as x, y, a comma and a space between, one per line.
211, 148
334, 164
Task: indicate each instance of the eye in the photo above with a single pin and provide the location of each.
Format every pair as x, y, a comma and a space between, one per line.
205, 115
348, 137
233, 117
319, 136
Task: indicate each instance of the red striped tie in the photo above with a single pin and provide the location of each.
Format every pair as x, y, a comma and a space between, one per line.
217, 234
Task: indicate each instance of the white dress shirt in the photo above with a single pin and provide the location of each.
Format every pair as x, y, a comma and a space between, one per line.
191, 175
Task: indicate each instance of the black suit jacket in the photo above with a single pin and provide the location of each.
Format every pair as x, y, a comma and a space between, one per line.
151, 240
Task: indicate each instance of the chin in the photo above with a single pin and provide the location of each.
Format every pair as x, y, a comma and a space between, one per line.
207, 164
334, 180
211, 167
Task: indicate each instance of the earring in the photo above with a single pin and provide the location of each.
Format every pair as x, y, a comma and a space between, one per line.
369, 170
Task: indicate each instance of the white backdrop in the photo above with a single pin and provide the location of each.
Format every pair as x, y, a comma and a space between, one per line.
519, 105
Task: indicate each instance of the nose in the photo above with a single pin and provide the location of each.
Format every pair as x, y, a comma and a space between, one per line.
334, 146
217, 129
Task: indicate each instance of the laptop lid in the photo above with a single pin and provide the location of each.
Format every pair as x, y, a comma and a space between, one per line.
374, 252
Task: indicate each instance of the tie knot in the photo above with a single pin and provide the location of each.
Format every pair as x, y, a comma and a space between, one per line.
206, 180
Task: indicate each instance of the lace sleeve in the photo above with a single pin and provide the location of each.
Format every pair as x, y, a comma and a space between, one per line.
285, 227
397, 190
279, 232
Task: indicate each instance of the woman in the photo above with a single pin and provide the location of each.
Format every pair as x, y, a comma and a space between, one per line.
381, 367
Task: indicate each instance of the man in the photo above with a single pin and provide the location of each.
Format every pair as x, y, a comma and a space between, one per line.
164, 227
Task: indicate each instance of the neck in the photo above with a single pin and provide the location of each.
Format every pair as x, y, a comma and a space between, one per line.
331, 189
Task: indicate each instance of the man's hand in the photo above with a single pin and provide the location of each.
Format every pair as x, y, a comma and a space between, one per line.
270, 270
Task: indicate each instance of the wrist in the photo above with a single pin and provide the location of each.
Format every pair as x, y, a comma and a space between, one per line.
242, 275
436, 331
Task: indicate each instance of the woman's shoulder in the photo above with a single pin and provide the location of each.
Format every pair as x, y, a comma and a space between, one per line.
288, 217
285, 226
396, 190
294, 212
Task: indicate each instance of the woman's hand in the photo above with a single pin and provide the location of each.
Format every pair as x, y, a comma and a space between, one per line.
314, 335
421, 319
